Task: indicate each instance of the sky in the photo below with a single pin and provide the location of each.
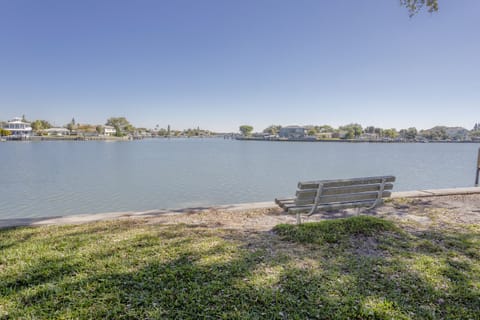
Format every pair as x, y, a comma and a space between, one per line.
218, 64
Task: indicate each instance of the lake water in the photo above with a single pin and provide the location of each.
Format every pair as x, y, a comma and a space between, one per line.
74, 177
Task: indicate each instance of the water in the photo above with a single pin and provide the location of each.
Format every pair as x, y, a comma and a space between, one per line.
73, 177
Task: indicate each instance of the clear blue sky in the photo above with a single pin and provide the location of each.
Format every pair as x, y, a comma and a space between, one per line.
218, 64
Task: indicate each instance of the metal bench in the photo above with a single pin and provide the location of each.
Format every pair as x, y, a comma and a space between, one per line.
330, 195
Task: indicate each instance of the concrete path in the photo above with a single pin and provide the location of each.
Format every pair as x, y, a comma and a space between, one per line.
85, 218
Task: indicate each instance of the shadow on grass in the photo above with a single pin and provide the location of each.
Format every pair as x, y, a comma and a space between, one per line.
7, 242
179, 272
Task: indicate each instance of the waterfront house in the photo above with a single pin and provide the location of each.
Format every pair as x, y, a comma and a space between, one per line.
109, 130
326, 135
457, 133
57, 132
292, 132
87, 130
369, 136
18, 128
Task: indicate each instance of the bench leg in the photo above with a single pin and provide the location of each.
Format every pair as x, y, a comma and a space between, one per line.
380, 195
358, 211
299, 218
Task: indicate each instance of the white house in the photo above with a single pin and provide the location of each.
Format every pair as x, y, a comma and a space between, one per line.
109, 130
18, 128
57, 131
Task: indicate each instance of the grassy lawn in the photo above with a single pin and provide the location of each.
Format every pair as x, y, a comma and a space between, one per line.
360, 267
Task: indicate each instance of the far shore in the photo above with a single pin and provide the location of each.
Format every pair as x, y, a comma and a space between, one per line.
352, 140
129, 138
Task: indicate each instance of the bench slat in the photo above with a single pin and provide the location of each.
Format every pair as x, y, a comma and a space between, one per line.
304, 208
331, 207
311, 193
283, 202
280, 200
344, 182
350, 197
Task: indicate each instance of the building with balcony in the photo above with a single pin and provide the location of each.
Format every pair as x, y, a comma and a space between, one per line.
18, 128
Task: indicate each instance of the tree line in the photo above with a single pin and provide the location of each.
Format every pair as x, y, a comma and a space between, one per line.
356, 131
122, 127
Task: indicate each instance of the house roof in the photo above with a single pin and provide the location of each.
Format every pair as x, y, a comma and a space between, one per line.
56, 130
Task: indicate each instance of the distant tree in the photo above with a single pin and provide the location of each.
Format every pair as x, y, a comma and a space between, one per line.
38, 125
435, 133
324, 128
355, 127
24, 119
162, 132
390, 133
350, 133
312, 132
120, 121
408, 134
121, 125
118, 131
246, 130
168, 130
411, 133
196, 132
4, 132
99, 129
191, 132
273, 129
414, 6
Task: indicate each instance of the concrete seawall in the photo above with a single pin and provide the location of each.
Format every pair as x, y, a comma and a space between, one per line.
85, 218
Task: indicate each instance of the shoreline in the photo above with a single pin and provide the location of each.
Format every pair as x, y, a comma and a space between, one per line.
93, 217
352, 140
224, 137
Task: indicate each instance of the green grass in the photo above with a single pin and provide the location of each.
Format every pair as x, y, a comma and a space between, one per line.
360, 268
331, 231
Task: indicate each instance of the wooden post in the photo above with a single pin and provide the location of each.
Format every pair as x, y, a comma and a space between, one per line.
478, 168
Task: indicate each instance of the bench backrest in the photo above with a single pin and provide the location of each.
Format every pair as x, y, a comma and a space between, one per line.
344, 190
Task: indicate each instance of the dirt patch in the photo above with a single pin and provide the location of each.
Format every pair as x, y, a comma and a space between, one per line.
366, 246
421, 212
438, 212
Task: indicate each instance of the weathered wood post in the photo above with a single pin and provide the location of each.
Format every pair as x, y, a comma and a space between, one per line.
478, 168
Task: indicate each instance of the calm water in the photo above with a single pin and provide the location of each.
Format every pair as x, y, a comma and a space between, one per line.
63, 178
